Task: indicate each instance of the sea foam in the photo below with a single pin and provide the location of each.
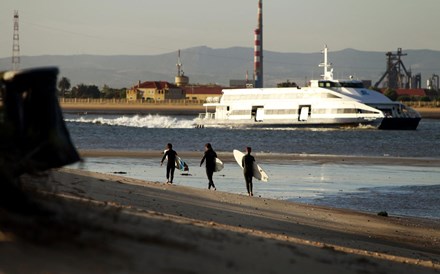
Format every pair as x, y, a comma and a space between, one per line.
148, 121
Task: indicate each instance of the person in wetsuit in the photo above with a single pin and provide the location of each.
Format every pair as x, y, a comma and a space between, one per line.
209, 157
247, 162
170, 154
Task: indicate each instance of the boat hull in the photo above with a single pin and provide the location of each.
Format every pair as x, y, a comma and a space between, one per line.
400, 123
325, 123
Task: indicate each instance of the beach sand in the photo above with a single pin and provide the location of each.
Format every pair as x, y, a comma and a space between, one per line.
110, 224
275, 157
87, 222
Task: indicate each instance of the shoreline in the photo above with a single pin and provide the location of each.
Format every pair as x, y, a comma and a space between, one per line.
272, 157
136, 226
133, 108
175, 109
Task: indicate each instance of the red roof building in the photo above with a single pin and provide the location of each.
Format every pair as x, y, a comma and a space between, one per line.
411, 91
202, 92
155, 91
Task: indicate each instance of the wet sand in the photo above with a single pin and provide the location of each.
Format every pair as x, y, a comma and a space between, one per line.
100, 223
111, 224
276, 157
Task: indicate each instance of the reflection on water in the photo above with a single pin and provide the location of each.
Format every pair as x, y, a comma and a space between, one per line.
399, 190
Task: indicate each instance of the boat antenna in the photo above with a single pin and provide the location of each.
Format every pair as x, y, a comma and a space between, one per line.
328, 70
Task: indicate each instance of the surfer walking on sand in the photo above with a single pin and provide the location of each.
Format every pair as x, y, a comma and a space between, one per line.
209, 159
170, 154
247, 163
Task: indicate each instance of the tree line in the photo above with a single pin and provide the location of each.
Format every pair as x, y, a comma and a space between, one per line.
88, 91
394, 96
92, 91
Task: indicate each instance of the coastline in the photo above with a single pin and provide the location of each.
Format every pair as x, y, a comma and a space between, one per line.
102, 223
174, 109
278, 157
133, 108
125, 225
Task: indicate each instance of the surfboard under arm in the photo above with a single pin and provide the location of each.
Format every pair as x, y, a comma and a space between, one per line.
259, 173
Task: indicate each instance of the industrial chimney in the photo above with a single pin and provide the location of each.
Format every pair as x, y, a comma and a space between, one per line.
258, 48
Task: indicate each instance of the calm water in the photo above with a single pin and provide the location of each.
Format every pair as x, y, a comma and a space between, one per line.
399, 190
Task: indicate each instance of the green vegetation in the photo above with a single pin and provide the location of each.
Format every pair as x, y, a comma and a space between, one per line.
63, 85
112, 93
286, 84
391, 93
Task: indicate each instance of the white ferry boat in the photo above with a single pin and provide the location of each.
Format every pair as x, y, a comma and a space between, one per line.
324, 103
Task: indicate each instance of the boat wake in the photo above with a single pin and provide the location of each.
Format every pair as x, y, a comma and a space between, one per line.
148, 121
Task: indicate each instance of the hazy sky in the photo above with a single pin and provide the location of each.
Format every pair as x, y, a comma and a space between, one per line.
146, 27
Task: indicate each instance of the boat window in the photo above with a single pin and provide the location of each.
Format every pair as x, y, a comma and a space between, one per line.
367, 111
352, 84
241, 112
319, 111
287, 96
328, 84
280, 111
344, 110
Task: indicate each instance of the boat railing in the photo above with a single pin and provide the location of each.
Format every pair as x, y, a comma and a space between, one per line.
207, 115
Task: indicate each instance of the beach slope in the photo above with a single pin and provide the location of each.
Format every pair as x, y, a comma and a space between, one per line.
108, 224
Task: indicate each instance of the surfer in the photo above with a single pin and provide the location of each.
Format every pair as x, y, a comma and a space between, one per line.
170, 154
210, 157
247, 163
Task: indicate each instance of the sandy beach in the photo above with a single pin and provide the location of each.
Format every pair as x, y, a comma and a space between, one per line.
88, 222
102, 223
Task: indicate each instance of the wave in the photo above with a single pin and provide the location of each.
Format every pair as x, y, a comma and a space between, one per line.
148, 121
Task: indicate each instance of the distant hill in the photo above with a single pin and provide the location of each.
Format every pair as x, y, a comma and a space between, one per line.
207, 65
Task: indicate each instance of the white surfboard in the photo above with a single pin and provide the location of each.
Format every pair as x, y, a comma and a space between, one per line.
218, 165
259, 173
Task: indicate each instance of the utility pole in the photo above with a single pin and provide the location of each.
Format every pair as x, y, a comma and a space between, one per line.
15, 44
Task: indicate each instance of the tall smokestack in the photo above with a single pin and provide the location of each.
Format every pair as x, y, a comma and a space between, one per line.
258, 48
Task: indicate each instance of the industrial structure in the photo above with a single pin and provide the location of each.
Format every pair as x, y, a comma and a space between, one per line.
258, 49
433, 82
397, 76
15, 44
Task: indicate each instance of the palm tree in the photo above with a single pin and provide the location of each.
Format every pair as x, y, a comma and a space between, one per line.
64, 85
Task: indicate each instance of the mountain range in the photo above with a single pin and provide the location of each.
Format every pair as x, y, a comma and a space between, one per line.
207, 65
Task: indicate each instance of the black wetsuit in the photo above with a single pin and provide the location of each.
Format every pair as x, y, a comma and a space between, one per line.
171, 164
209, 156
248, 170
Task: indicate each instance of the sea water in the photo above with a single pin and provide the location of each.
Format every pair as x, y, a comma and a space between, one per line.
399, 190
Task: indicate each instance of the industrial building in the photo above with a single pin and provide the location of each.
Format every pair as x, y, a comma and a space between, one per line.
400, 79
